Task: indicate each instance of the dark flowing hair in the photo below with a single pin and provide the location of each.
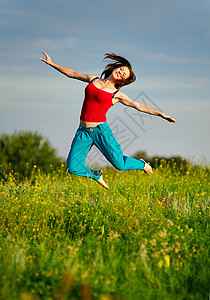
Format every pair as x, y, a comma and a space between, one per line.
119, 61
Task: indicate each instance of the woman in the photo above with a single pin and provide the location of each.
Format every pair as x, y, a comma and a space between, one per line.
100, 94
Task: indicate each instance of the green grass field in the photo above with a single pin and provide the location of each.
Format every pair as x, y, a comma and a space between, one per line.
65, 237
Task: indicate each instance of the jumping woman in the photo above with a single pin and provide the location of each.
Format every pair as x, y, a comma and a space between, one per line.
101, 94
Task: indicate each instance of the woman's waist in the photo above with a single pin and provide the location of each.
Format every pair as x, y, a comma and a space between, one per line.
89, 124
94, 127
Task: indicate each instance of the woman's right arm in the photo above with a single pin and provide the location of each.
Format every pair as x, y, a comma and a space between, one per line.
67, 71
124, 99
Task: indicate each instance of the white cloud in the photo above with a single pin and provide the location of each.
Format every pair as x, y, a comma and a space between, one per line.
166, 83
173, 59
40, 92
56, 43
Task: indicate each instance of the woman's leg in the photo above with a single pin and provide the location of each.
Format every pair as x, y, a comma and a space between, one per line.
80, 147
108, 145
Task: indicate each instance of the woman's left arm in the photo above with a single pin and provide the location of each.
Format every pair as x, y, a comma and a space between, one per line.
124, 99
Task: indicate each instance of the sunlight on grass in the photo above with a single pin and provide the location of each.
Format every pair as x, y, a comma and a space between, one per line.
65, 237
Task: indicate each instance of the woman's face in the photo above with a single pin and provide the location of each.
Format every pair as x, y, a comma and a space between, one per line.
121, 73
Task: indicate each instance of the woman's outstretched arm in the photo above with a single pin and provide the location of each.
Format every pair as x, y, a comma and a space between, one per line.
66, 71
124, 99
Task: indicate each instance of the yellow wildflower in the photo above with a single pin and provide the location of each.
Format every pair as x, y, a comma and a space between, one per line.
167, 260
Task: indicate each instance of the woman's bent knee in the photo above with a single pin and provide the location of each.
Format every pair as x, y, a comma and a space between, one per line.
119, 166
71, 167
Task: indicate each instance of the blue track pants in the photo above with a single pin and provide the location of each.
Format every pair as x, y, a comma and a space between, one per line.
102, 137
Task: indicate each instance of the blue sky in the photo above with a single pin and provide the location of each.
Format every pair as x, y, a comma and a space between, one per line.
167, 42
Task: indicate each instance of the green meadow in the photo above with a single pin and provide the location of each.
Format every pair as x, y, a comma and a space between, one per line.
66, 237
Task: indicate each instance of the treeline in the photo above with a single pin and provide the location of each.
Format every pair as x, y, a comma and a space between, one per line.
175, 162
24, 151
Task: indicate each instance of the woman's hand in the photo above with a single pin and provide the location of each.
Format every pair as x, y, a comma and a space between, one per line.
47, 59
168, 118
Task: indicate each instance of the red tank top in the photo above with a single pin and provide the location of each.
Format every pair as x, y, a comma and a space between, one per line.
96, 104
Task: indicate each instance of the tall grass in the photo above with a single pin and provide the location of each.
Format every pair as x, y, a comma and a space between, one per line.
65, 237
